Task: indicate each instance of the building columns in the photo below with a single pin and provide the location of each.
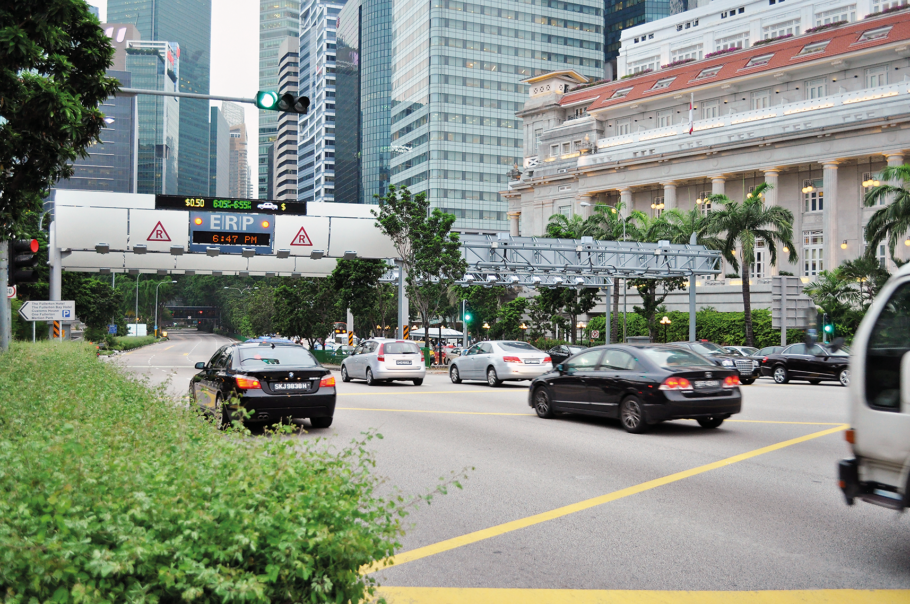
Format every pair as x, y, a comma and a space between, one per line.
669, 195
894, 159
717, 185
829, 214
625, 197
584, 211
514, 229
771, 177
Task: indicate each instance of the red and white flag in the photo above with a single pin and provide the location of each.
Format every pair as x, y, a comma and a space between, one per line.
691, 122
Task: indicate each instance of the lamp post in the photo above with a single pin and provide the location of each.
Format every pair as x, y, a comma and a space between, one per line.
487, 327
156, 305
665, 321
580, 326
524, 331
242, 291
136, 324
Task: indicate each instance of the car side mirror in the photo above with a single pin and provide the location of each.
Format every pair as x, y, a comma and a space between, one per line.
199, 365
561, 368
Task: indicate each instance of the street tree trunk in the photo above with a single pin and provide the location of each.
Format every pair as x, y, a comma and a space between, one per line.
747, 302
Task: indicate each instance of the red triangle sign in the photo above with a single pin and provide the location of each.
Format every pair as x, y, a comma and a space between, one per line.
158, 233
301, 238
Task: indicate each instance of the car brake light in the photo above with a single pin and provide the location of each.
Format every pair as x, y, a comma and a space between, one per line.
548, 359
731, 381
676, 383
850, 436
379, 355
247, 383
327, 382
511, 359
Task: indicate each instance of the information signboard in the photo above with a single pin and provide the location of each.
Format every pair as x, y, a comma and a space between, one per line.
231, 232
229, 204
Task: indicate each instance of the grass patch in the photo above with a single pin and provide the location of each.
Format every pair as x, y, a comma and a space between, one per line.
112, 493
131, 342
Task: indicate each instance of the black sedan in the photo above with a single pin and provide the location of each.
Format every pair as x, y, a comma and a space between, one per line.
748, 370
561, 352
814, 363
639, 385
271, 381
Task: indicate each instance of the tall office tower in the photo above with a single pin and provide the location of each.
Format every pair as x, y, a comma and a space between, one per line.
316, 130
456, 85
623, 15
188, 23
156, 66
284, 150
363, 110
239, 179
233, 113
278, 19
219, 155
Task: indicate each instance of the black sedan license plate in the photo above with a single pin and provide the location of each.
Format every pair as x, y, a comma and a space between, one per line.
291, 386
402, 362
707, 384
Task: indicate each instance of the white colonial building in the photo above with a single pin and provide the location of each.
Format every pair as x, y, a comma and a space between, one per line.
815, 115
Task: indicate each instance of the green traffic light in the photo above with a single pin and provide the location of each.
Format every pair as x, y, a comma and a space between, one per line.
829, 328
266, 99
467, 317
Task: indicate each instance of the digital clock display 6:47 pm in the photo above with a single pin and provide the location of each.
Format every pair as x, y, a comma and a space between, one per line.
216, 238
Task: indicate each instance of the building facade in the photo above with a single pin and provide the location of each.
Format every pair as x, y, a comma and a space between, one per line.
316, 130
239, 184
156, 66
233, 113
219, 154
284, 149
817, 116
348, 186
188, 24
278, 20
456, 71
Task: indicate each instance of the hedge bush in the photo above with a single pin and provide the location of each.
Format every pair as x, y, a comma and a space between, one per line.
131, 342
112, 493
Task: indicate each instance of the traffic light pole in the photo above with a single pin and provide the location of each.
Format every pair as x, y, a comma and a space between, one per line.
5, 318
188, 95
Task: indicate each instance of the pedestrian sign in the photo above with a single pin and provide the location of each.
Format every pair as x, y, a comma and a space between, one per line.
301, 238
158, 233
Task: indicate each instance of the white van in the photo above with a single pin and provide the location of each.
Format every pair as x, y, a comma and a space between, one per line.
880, 401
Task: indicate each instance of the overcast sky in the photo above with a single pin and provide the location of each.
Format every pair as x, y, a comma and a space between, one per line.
235, 58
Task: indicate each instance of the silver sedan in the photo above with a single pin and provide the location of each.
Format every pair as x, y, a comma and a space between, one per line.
500, 361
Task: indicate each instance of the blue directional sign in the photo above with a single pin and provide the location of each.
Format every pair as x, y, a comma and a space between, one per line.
231, 233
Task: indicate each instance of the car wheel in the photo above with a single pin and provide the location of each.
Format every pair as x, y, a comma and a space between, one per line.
493, 379
321, 422
418, 382
542, 404
780, 375
221, 417
710, 422
344, 374
370, 380
747, 381
844, 377
632, 415
454, 375
815, 382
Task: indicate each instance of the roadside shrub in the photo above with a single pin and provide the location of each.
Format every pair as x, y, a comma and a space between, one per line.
131, 342
112, 493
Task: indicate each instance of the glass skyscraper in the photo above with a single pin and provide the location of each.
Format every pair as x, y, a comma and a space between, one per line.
189, 24
219, 154
348, 188
278, 19
456, 72
623, 15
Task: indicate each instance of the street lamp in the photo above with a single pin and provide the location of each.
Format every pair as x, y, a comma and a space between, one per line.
580, 325
524, 330
665, 321
156, 305
242, 291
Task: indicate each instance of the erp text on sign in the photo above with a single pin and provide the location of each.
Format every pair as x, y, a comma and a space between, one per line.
231, 232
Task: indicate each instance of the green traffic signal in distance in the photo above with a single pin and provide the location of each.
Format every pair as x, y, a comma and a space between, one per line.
267, 99
829, 328
467, 317
272, 101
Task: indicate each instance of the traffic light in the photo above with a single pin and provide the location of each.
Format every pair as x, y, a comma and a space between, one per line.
272, 101
21, 260
467, 317
827, 325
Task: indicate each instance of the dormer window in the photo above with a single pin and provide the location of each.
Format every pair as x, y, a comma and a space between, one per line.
621, 93
661, 84
709, 72
758, 61
810, 49
875, 34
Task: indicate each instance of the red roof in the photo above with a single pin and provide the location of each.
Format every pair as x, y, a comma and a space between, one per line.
843, 39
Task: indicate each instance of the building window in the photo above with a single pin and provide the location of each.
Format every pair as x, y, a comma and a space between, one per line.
581, 111
554, 150
566, 148
761, 99
877, 76
710, 109
815, 47
757, 270
705, 204
565, 210
740, 40
785, 28
657, 207
661, 84
813, 252
758, 61
814, 199
834, 15
621, 93
664, 118
875, 34
880, 5
576, 145
623, 127
709, 73
651, 63
693, 51
868, 177
815, 89
881, 256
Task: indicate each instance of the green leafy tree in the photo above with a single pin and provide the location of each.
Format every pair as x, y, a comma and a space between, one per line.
306, 308
892, 222
509, 319
53, 58
425, 245
869, 276
97, 303
740, 225
357, 284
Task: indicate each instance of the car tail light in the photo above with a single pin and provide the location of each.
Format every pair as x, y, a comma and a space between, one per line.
247, 383
379, 354
850, 436
511, 359
676, 383
547, 359
327, 382
764, 360
731, 381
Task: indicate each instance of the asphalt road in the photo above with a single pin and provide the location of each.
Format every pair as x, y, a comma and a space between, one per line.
575, 505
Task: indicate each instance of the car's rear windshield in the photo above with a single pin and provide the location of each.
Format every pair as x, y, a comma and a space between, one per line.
576, 349
708, 348
668, 358
517, 346
287, 356
400, 348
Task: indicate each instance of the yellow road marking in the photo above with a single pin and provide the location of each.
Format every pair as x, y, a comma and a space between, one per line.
508, 527
452, 595
171, 346
430, 411
186, 354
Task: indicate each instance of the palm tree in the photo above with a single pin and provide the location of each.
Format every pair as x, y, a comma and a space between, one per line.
893, 221
868, 273
613, 227
741, 225
571, 227
681, 225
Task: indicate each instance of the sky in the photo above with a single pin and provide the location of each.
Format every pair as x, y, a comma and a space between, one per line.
235, 58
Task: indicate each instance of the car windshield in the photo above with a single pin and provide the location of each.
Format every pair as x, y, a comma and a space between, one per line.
823, 351
288, 356
733, 351
708, 348
748, 350
576, 349
517, 346
669, 358
400, 348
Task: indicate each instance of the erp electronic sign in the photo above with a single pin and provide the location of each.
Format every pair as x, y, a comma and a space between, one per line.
229, 204
231, 232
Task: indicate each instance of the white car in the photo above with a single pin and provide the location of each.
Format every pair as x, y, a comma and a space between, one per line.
267, 206
499, 361
380, 360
